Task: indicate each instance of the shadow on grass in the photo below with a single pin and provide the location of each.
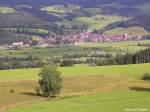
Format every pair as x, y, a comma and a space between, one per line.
30, 94
140, 89
35, 94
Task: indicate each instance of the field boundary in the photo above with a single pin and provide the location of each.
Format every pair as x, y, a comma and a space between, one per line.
22, 103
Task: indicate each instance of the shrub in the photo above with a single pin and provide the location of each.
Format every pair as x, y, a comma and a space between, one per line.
66, 63
146, 76
12, 91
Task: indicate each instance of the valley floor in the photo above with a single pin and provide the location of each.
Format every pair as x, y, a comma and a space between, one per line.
87, 93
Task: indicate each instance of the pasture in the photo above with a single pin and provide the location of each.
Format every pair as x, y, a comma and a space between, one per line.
125, 46
49, 52
130, 30
41, 52
55, 9
17, 93
5, 10
115, 83
78, 70
107, 102
94, 22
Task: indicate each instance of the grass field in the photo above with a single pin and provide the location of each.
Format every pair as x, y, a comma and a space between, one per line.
30, 30
94, 22
24, 91
131, 30
42, 52
58, 9
91, 81
6, 10
93, 10
108, 102
31, 74
125, 46
47, 53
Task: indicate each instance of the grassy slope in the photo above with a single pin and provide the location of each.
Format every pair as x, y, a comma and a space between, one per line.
114, 102
133, 30
28, 74
6, 10
126, 46
53, 9
94, 22
42, 31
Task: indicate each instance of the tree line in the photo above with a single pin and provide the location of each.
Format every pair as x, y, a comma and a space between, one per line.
21, 62
142, 56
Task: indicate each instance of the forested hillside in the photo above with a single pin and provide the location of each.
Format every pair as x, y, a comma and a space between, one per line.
61, 16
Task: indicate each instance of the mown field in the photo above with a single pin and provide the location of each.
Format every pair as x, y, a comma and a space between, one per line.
108, 102
24, 91
78, 70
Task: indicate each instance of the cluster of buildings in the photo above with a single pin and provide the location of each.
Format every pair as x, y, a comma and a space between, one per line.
90, 37
77, 38
18, 45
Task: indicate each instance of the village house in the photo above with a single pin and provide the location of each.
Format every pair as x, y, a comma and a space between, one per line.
18, 45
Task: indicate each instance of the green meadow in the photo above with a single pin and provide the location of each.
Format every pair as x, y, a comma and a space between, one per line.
5, 10
47, 53
105, 102
78, 70
125, 46
136, 30
114, 88
94, 22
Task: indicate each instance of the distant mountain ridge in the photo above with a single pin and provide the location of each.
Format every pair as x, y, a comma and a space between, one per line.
79, 2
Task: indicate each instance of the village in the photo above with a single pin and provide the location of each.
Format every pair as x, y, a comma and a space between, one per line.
75, 38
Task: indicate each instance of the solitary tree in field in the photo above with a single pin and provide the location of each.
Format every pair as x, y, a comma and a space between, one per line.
50, 81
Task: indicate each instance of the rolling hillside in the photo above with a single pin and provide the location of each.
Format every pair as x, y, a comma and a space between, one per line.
27, 13
97, 72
